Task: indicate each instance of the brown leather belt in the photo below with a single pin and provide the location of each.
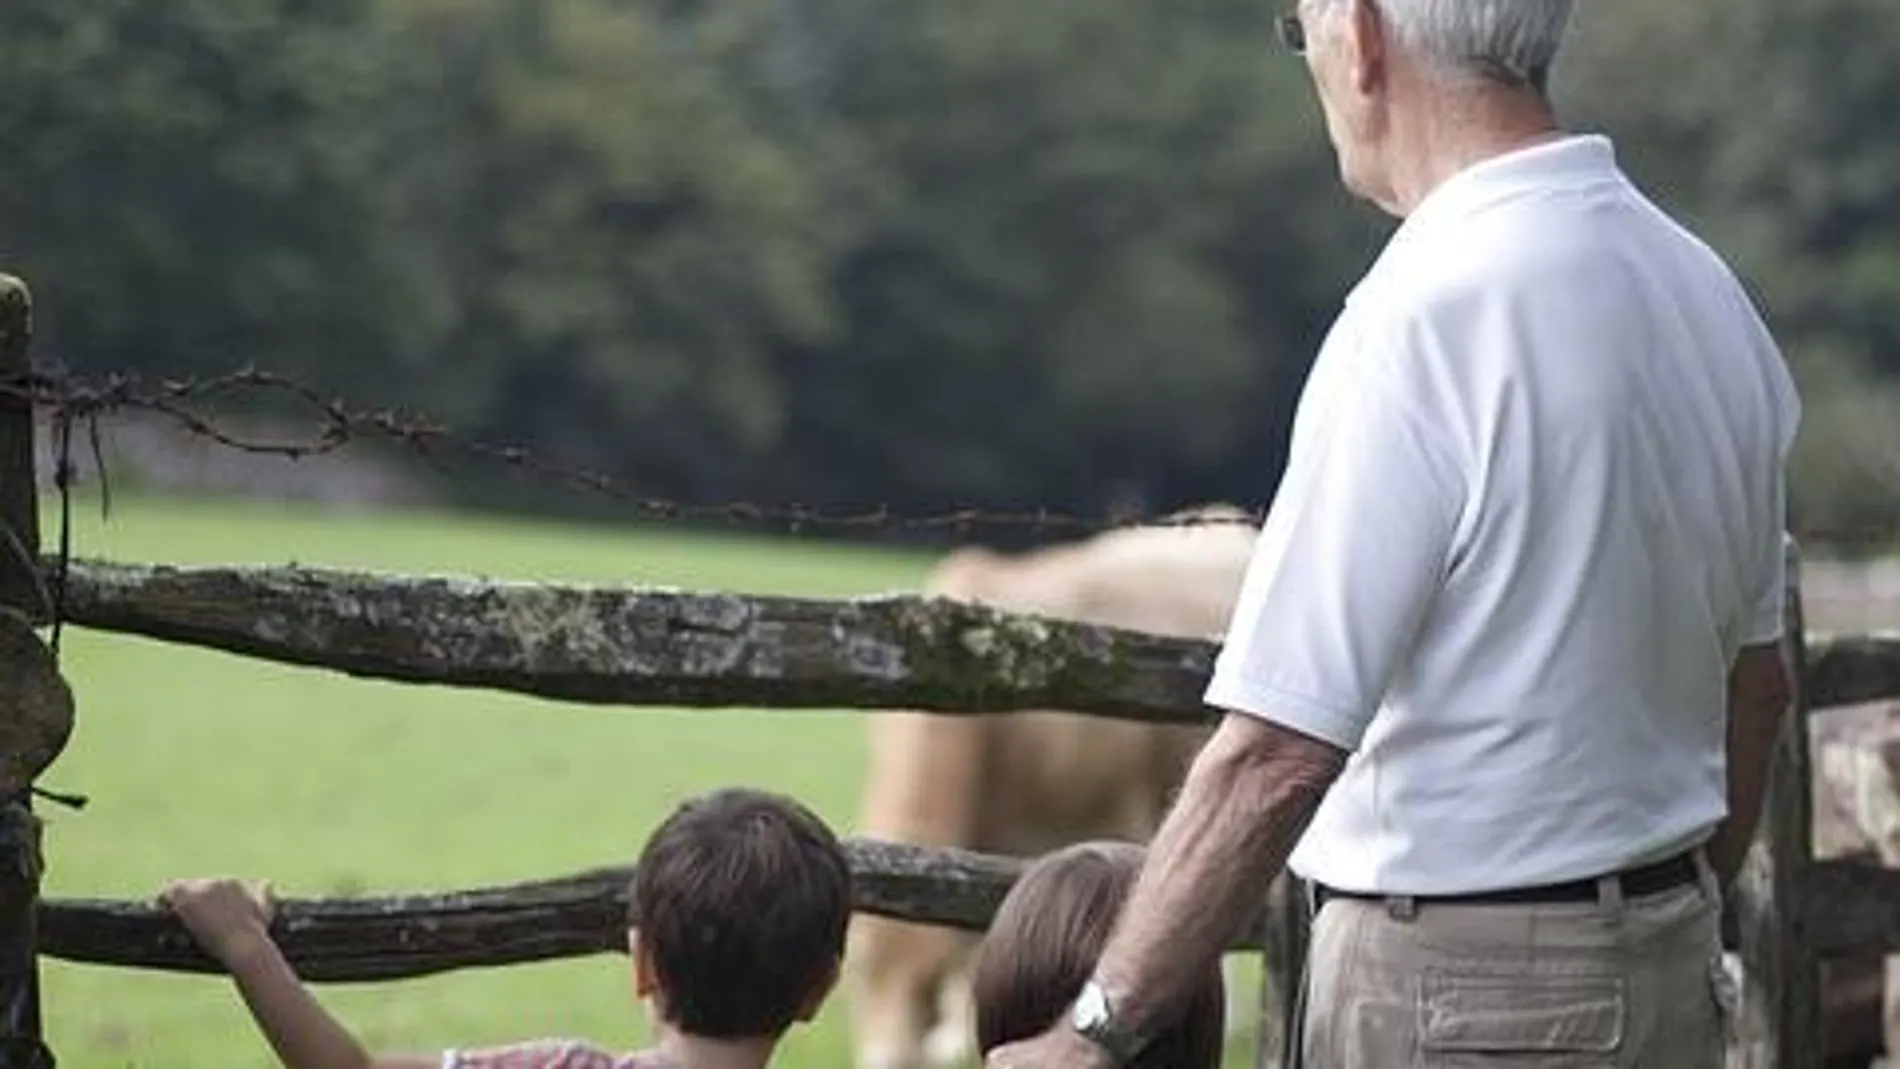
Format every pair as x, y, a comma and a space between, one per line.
1648, 879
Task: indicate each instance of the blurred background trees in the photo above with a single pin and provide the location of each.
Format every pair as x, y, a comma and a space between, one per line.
995, 252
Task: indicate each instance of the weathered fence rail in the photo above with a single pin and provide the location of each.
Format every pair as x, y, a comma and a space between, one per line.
401, 936
1852, 906
335, 940
1851, 669
623, 645
630, 646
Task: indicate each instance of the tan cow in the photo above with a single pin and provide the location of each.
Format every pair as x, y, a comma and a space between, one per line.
1024, 783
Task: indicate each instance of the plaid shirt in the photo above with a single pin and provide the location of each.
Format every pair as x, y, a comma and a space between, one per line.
553, 1054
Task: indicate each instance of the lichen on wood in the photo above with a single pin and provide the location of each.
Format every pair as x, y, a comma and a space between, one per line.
19, 492
647, 646
949, 641
36, 704
35, 708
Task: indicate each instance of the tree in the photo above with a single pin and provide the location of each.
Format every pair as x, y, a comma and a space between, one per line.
624, 244
192, 184
1093, 268
1760, 124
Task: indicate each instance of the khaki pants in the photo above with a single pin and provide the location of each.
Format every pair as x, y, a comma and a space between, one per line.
1612, 984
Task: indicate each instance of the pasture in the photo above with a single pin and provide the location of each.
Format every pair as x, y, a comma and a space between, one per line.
200, 763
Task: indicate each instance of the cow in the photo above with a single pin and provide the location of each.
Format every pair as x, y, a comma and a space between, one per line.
1024, 783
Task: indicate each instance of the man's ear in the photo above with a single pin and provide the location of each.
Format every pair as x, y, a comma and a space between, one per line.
1366, 45
820, 991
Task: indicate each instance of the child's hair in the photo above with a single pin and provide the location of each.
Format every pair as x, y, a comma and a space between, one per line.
740, 901
1043, 944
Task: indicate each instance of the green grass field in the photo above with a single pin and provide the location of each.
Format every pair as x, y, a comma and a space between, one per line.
201, 763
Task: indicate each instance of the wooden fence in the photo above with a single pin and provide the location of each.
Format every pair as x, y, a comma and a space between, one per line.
654, 647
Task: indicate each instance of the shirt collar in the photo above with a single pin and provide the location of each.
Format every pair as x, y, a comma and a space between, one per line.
1570, 161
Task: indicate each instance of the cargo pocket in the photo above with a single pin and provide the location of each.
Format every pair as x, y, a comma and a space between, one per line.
1471, 1019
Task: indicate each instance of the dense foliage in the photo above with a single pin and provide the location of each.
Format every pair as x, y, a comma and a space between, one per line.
846, 252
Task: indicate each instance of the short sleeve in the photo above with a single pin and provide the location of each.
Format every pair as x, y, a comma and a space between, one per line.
1352, 552
1764, 618
540, 1054
1764, 587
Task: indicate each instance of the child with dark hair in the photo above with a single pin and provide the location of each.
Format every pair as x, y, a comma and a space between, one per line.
1042, 945
740, 902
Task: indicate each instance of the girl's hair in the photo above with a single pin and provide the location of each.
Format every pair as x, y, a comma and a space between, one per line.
1042, 946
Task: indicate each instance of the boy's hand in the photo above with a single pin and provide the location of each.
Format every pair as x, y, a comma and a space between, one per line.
229, 918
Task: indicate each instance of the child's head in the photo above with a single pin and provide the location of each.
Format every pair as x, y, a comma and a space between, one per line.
740, 903
1043, 944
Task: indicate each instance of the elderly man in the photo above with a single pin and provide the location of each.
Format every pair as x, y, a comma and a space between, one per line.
1504, 668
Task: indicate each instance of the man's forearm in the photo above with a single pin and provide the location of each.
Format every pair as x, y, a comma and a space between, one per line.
1757, 707
1751, 754
1247, 798
1748, 776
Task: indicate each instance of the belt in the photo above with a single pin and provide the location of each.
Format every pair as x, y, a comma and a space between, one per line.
1648, 879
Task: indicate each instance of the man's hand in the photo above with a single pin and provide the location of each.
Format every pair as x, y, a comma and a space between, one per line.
1059, 1048
229, 918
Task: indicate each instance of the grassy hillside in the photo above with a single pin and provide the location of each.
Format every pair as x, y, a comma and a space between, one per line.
199, 763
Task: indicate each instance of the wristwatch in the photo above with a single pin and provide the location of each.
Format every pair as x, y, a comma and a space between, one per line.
1093, 1017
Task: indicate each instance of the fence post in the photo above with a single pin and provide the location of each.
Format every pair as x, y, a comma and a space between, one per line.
19, 492
1779, 1026
20, 1035
1282, 970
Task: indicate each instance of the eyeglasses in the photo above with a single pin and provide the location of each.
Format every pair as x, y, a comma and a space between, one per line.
1293, 33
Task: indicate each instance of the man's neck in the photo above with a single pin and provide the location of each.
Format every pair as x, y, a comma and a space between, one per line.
695, 1052
1451, 131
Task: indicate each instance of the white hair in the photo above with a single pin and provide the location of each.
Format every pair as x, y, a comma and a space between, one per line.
1515, 39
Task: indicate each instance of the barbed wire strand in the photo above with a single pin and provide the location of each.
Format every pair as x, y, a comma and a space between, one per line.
72, 399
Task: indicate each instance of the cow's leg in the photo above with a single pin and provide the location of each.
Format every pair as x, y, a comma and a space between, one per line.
1239, 1014
953, 1039
895, 969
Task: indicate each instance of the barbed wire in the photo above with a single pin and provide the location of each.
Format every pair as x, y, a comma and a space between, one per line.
75, 402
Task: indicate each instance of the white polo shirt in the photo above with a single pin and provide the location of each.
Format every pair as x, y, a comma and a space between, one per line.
1533, 505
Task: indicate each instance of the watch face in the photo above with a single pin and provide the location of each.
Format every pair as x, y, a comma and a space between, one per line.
1091, 1009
